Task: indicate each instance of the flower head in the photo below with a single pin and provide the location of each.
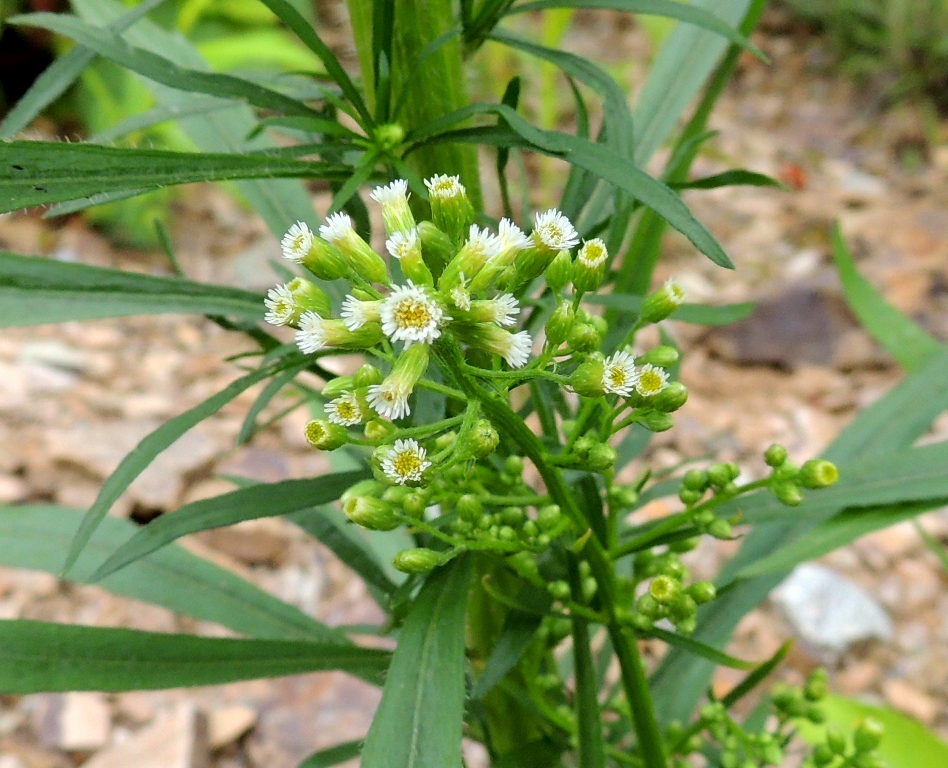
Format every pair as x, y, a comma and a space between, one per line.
501, 310
651, 380
411, 315
460, 296
405, 462
297, 242
356, 313
619, 375
554, 231
281, 306
663, 302
391, 193
337, 228
511, 236
513, 347
345, 410
593, 254
483, 242
393, 200
311, 336
403, 244
443, 187
390, 400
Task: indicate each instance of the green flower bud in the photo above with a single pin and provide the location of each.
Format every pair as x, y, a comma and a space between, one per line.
367, 375
393, 494
388, 136
671, 398
702, 592
549, 517
530, 529
660, 304
469, 507
513, 516
506, 533
719, 475
513, 466
325, 435
447, 440
775, 455
560, 271
325, 261
870, 760
363, 488
583, 446
590, 266
371, 513
359, 255
704, 518
816, 714
419, 560
823, 755
721, 529
665, 589
393, 199
602, 457
682, 608
713, 712
560, 628
818, 473
648, 606
484, 439
835, 741
377, 430
436, 247
560, 323
684, 545
788, 493
686, 626
583, 337
623, 496
662, 356
695, 480
657, 421
309, 297
451, 211
773, 755
868, 734
559, 589
587, 379
689, 497
786, 471
415, 504
543, 541
337, 386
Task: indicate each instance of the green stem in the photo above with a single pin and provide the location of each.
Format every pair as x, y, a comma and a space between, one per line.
442, 389
634, 680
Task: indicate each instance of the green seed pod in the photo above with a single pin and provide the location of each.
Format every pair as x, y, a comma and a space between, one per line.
775, 455
371, 513
484, 439
560, 324
665, 589
325, 435
868, 734
788, 493
367, 375
337, 386
549, 517
671, 398
657, 421
662, 356
418, 560
587, 378
469, 507
818, 473
560, 271
660, 304
559, 589
721, 529
602, 457
583, 337
702, 592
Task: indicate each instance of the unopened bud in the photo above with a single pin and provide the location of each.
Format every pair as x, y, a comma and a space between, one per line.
695, 480
587, 378
818, 473
657, 421
367, 375
484, 439
325, 435
665, 589
363, 488
559, 272
702, 592
660, 304
419, 560
721, 529
671, 398
788, 493
583, 337
389, 135
775, 455
415, 503
868, 734
309, 297
559, 324
451, 211
436, 247
377, 430
371, 513
602, 457
335, 387
662, 356
590, 266
549, 517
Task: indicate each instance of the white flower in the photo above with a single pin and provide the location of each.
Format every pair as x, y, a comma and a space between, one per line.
511, 236
409, 314
443, 187
296, 243
390, 400
391, 193
337, 228
311, 337
593, 254
281, 306
620, 375
482, 242
402, 244
555, 231
460, 296
513, 347
406, 462
518, 349
345, 410
651, 381
504, 308
676, 294
356, 313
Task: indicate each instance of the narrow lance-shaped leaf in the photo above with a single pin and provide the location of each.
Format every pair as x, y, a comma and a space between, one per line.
265, 500
39, 656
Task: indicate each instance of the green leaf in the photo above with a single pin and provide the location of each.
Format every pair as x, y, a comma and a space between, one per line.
418, 723
934, 546
734, 178
61, 74
146, 451
264, 500
35, 537
840, 530
161, 69
61, 657
591, 748
906, 743
699, 314
757, 676
690, 14
37, 172
901, 337
696, 647
596, 158
333, 755
35, 290
271, 390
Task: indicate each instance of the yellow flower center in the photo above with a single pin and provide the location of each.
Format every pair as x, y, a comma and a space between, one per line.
412, 313
315, 432
298, 242
616, 375
592, 255
348, 411
406, 464
282, 307
650, 382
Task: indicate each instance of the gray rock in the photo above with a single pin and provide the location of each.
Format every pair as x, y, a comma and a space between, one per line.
830, 612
